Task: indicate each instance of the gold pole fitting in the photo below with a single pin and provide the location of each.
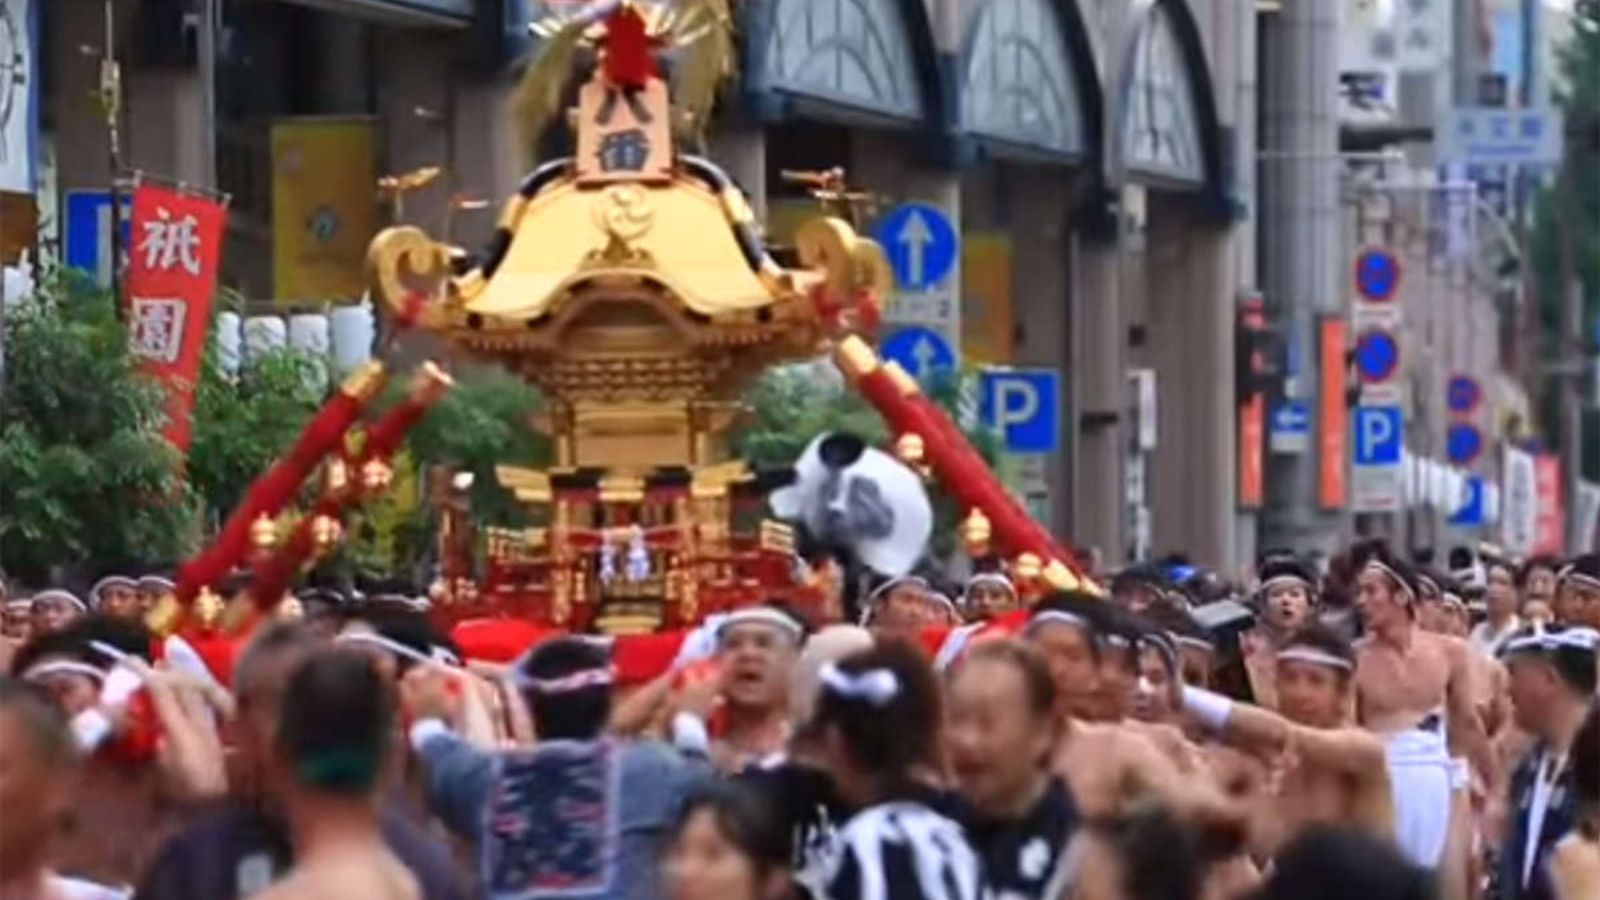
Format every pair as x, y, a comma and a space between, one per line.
366, 381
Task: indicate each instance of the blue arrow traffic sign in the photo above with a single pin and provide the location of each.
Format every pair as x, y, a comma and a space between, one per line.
1377, 355
1377, 274
921, 245
920, 351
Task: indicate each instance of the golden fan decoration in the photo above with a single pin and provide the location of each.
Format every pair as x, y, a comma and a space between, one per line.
699, 33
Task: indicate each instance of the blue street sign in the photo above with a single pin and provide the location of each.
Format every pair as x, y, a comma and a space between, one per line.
1463, 443
1462, 395
920, 351
1377, 356
1023, 405
1377, 275
87, 235
921, 245
1379, 435
1289, 427
1471, 512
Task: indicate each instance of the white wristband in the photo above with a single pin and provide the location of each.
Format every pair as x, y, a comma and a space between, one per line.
90, 729
689, 733
424, 730
1209, 708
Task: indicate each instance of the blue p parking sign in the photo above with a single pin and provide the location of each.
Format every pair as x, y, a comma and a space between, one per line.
1024, 406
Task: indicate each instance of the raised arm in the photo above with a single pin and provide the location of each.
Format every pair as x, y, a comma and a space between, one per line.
1266, 733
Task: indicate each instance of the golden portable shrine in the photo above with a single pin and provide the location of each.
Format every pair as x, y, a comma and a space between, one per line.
631, 284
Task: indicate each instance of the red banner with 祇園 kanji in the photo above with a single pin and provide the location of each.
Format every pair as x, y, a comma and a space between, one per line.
175, 249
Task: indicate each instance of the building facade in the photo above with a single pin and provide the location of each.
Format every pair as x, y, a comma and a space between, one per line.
1095, 155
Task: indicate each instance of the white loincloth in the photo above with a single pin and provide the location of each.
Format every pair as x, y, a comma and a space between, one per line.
1421, 777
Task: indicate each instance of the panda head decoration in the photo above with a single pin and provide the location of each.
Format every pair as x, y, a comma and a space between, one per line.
859, 499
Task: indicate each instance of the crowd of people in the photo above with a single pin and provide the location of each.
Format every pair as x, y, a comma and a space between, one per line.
1378, 727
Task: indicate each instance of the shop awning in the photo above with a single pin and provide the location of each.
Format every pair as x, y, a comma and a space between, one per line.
411, 13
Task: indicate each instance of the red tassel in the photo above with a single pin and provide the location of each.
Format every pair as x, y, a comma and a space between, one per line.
630, 60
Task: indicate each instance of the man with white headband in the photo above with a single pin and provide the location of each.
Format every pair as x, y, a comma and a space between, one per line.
1332, 772
1286, 599
1415, 690
757, 649
1578, 592
1552, 691
989, 594
55, 609
1107, 765
904, 605
117, 595
580, 815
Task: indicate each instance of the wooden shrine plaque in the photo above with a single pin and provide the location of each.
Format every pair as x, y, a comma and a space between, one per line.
624, 135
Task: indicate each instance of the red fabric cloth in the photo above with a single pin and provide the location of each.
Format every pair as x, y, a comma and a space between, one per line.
638, 658
498, 640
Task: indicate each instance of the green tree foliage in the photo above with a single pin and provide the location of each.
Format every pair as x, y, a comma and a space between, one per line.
1567, 210
487, 420
244, 423
86, 478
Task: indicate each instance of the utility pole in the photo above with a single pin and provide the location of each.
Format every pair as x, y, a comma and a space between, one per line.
206, 49
1569, 378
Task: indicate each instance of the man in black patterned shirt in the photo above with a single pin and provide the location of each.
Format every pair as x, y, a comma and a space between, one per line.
1001, 735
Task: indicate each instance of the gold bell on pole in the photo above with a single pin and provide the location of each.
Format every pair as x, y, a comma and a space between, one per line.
325, 533
976, 532
376, 475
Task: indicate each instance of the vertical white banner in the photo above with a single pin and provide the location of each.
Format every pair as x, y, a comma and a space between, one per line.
1519, 502
19, 92
1586, 517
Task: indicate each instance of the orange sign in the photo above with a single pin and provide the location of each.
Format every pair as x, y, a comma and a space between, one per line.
1332, 341
1252, 427
986, 298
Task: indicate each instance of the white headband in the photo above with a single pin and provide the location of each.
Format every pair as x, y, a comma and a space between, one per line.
19, 603
1383, 568
1313, 655
761, 615
415, 604
1573, 575
895, 582
112, 580
1540, 639
1281, 580
995, 578
160, 581
47, 670
58, 594
577, 681
1056, 617
439, 655
874, 686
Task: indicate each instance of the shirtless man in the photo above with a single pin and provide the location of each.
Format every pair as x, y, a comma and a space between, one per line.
1327, 770
757, 649
338, 715
1287, 598
1107, 764
1415, 690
